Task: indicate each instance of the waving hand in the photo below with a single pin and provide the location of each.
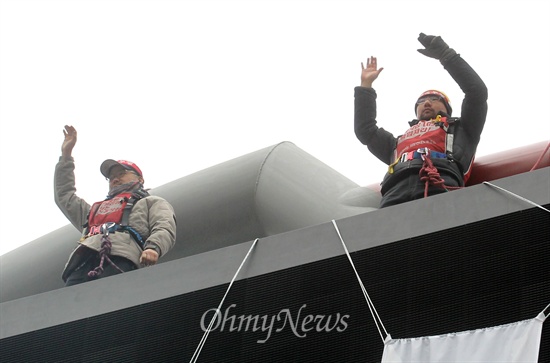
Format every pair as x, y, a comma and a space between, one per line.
370, 72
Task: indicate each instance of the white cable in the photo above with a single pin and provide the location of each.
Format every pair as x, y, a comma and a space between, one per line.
530, 202
517, 196
543, 311
370, 304
207, 331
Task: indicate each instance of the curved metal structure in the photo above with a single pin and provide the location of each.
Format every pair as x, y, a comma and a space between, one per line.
273, 190
470, 259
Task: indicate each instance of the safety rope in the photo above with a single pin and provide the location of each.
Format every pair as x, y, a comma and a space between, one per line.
517, 196
370, 304
532, 203
207, 331
546, 315
430, 176
540, 157
104, 254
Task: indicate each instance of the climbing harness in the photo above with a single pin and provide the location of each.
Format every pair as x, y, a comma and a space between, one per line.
440, 131
111, 216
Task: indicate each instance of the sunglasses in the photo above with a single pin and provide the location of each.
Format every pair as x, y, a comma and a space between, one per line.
428, 98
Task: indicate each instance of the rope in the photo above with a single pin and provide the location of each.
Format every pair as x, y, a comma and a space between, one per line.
430, 176
530, 202
104, 254
517, 196
370, 304
546, 315
540, 157
207, 331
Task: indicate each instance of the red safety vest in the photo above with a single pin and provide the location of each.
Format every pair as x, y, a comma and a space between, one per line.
431, 134
435, 135
110, 210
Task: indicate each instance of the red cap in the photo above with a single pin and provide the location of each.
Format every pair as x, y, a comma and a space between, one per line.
106, 166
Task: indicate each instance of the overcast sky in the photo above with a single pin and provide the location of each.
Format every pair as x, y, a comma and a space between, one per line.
180, 86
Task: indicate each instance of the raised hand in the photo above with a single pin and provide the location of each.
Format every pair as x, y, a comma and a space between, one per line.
69, 141
370, 72
435, 47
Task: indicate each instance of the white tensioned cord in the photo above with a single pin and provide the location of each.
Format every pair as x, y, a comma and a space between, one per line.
546, 315
517, 196
207, 331
372, 309
530, 202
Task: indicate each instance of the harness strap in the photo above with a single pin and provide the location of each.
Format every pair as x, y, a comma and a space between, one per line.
447, 125
449, 145
135, 235
124, 223
449, 130
111, 227
418, 154
127, 210
137, 195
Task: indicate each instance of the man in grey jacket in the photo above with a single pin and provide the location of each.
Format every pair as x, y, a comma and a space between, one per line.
128, 230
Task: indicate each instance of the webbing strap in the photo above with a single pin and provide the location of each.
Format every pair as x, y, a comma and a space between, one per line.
374, 313
517, 196
449, 143
136, 195
207, 331
127, 209
449, 130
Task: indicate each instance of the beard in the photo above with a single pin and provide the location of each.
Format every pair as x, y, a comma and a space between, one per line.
428, 114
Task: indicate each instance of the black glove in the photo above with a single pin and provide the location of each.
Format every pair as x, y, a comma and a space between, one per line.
435, 47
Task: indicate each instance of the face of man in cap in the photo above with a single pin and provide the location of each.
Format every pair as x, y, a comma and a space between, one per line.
118, 175
429, 106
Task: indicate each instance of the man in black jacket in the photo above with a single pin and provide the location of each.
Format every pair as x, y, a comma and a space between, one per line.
436, 153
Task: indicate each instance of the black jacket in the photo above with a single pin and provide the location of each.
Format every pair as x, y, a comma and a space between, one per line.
466, 131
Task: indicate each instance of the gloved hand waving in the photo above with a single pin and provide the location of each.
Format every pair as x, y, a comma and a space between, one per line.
435, 47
